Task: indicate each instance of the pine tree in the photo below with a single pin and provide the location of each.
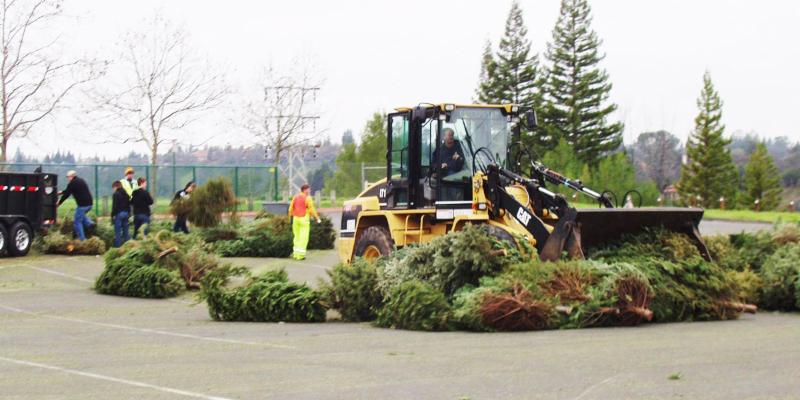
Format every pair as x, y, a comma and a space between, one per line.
510, 76
487, 92
710, 172
762, 180
576, 90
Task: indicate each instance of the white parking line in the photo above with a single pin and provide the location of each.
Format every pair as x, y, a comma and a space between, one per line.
147, 330
50, 271
112, 379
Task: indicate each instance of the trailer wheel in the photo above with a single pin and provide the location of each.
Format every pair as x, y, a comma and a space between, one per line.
373, 243
3, 239
20, 239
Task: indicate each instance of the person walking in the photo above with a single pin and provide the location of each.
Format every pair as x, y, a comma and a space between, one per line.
79, 190
300, 210
141, 202
180, 217
129, 183
120, 212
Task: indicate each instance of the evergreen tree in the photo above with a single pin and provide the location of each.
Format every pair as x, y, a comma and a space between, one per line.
576, 90
347, 137
762, 180
710, 172
372, 149
510, 76
562, 160
488, 85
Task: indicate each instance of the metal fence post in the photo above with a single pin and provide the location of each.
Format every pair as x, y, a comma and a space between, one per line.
97, 189
194, 174
275, 182
236, 181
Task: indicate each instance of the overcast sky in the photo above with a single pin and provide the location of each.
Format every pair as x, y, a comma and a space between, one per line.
378, 55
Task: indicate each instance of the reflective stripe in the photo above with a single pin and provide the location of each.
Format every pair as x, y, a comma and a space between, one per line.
33, 188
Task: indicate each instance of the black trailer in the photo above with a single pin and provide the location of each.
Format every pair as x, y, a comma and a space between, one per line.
28, 204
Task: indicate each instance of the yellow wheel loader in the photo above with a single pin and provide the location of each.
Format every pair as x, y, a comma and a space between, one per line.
448, 165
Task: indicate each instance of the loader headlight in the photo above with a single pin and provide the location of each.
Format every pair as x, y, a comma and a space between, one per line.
449, 107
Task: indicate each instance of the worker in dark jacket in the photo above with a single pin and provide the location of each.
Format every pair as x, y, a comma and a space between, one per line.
120, 212
141, 202
180, 219
79, 190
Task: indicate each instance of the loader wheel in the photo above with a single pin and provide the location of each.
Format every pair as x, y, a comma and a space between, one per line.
373, 243
20, 239
3, 239
501, 235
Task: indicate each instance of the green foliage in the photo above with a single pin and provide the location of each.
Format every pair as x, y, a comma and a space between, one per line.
576, 90
762, 180
161, 265
753, 248
209, 201
748, 284
467, 303
510, 76
57, 243
710, 172
781, 277
371, 150
724, 253
353, 290
415, 305
269, 297
133, 271
267, 236
446, 263
323, 235
103, 231
686, 287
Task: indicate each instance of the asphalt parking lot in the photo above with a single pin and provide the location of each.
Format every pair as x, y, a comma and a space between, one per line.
60, 340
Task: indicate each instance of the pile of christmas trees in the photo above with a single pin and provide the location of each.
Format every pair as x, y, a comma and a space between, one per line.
61, 239
658, 276
267, 236
268, 297
162, 265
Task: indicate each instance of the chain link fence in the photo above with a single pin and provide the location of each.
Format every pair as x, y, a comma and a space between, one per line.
252, 184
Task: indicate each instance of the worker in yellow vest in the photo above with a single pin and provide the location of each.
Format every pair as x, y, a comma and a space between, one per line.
129, 184
300, 210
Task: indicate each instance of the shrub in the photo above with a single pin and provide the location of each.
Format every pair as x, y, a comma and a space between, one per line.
353, 290
724, 253
269, 297
207, 202
415, 305
781, 276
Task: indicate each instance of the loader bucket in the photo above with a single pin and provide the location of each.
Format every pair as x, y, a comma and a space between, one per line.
578, 231
603, 225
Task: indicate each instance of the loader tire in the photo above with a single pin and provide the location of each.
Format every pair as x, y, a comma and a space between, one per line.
374, 242
501, 235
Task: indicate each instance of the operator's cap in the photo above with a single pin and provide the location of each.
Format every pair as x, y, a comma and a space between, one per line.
129, 170
71, 173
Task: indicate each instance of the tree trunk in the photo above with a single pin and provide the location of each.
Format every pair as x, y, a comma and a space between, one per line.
154, 174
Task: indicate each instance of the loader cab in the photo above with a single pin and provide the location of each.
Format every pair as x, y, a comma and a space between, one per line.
432, 153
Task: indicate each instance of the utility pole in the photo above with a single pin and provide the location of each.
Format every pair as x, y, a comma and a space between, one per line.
293, 126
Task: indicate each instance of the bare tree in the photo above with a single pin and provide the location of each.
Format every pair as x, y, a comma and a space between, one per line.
156, 89
285, 116
34, 79
657, 156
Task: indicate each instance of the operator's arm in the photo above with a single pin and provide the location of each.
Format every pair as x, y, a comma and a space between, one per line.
67, 192
458, 163
311, 209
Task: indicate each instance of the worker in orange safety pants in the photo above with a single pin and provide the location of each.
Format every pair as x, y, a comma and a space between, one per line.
300, 210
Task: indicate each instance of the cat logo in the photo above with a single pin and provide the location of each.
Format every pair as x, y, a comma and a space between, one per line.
382, 193
523, 216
